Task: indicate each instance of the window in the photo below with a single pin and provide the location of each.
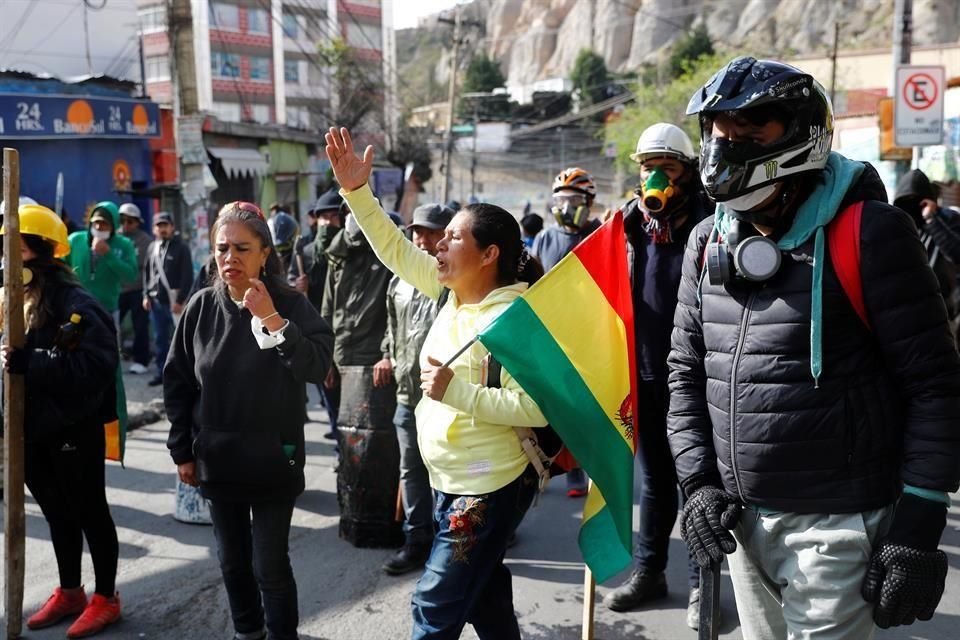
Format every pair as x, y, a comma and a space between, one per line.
291, 28
227, 111
157, 68
258, 21
260, 68
260, 113
224, 65
297, 117
224, 16
364, 36
153, 18
291, 71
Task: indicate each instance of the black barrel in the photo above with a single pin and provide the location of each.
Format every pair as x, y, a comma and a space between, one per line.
369, 475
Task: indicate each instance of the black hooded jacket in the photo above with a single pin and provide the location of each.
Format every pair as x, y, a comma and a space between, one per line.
940, 236
745, 413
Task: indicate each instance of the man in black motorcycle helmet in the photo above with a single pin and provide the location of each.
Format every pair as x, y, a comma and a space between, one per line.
814, 445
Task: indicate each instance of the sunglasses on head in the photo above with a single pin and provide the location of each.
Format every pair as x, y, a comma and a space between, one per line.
249, 207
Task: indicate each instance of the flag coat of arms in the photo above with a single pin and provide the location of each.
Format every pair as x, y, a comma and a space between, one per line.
569, 342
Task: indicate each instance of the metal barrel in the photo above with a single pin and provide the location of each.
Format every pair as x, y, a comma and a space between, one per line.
369, 474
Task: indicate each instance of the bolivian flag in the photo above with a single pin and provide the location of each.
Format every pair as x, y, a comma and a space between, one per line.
568, 341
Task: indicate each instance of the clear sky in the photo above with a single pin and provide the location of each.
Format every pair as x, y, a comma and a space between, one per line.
406, 13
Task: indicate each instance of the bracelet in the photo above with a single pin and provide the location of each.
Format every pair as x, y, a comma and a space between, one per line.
265, 318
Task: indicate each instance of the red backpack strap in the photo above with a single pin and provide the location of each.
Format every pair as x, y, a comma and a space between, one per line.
843, 240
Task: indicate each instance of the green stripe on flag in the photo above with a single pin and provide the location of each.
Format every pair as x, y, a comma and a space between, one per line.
605, 560
519, 340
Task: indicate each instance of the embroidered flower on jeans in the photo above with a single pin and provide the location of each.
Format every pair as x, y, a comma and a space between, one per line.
466, 516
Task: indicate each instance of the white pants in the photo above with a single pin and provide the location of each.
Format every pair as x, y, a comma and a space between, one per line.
798, 576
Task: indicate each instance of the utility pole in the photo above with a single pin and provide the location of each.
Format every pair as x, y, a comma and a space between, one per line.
451, 96
902, 44
833, 60
143, 66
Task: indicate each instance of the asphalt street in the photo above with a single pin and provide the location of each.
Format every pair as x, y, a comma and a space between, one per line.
170, 586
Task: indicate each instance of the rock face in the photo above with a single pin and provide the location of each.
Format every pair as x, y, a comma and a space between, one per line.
538, 39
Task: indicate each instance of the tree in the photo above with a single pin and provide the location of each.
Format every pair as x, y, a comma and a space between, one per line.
411, 146
689, 48
660, 103
483, 74
590, 77
359, 83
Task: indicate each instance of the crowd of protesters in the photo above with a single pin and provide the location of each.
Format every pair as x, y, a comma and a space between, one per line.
799, 420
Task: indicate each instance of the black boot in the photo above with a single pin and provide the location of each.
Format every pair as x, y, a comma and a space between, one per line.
639, 588
408, 558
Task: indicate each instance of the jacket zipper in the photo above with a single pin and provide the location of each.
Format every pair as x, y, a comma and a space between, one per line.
744, 320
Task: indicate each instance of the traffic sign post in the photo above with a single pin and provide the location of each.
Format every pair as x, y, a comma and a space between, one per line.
918, 110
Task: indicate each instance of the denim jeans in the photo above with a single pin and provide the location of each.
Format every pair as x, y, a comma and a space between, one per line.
414, 480
255, 564
659, 494
162, 318
331, 400
132, 302
465, 579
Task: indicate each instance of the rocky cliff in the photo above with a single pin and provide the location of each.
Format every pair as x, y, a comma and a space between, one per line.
538, 39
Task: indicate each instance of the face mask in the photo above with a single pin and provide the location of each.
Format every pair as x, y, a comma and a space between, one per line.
750, 200
100, 235
352, 227
569, 215
656, 191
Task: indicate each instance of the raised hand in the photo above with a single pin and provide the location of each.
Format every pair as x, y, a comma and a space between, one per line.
350, 170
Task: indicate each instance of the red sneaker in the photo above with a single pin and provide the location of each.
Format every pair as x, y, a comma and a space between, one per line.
61, 604
99, 613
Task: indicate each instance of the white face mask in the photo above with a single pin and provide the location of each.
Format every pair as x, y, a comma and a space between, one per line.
352, 227
100, 235
749, 201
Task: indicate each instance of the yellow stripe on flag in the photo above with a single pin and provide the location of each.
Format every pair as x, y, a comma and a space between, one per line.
112, 432
594, 504
590, 333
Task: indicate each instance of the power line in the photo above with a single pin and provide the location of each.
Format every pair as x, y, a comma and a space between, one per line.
15, 31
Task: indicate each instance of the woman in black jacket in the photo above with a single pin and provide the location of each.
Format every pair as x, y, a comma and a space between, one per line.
69, 364
243, 448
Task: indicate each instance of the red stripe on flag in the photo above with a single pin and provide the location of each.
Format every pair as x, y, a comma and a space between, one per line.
604, 255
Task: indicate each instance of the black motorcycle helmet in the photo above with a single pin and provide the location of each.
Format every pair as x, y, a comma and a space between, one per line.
760, 91
284, 231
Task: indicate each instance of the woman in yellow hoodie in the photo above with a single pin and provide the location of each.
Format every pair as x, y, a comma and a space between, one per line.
483, 482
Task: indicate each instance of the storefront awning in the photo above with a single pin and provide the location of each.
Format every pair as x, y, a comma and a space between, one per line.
240, 162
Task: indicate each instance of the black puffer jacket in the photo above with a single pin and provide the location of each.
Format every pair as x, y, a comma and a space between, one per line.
744, 411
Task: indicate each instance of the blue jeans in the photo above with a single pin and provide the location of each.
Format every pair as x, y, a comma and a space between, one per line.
132, 302
162, 318
414, 480
659, 495
255, 564
465, 579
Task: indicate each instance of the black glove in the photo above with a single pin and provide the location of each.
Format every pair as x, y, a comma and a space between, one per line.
907, 574
17, 361
707, 517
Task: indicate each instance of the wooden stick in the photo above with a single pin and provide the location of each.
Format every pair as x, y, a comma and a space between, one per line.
709, 602
398, 513
589, 596
13, 334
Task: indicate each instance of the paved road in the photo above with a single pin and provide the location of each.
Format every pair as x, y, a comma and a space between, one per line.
170, 584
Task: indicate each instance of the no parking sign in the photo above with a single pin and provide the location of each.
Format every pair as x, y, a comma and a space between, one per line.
918, 113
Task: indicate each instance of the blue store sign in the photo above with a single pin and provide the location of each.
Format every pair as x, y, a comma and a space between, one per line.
38, 116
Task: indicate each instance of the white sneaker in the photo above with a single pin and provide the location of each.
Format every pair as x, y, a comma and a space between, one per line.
137, 368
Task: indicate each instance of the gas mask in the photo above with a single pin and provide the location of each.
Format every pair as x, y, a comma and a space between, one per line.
656, 192
570, 211
753, 258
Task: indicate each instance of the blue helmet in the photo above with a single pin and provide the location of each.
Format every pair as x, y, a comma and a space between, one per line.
284, 231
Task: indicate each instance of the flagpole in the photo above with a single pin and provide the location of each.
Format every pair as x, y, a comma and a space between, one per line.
589, 594
462, 349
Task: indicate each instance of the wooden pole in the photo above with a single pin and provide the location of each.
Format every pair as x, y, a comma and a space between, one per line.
589, 596
13, 335
709, 602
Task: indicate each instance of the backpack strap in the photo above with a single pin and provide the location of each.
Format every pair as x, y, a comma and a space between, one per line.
843, 240
528, 438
